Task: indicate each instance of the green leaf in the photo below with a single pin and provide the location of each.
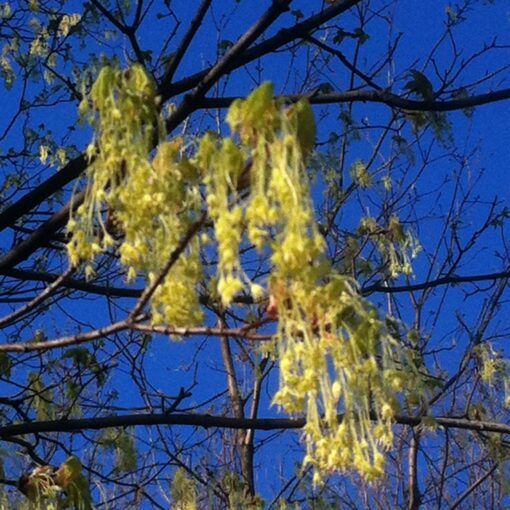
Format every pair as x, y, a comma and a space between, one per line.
42, 399
340, 35
183, 490
462, 93
360, 174
361, 35
224, 45
358, 33
79, 355
5, 365
325, 88
71, 478
147, 55
420, 85
306, 131
418, 119
429, 422
125, 449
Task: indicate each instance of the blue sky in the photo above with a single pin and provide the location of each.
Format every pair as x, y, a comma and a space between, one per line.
481, 143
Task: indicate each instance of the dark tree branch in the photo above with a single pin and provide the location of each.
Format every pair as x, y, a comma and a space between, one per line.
110, 17
379, 96
48, 291
414, 490
65, 341
446, 280
57, 181
72, 283
207, 420
24, 249
367, 79
81, 338
176, 59
283, 37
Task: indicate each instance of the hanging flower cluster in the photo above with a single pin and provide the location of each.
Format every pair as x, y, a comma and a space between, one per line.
259, 187
336, 355
148, 203
397, 246
340, 365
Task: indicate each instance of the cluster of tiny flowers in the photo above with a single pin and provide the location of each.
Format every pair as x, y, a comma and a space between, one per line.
397, 246
493, 368
258, 188
340, 366
140, 205
338, 363
222, 164
335, 354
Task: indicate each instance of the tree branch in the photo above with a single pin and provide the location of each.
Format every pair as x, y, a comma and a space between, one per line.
414, 490
116, 327
207, 421
48, 291
34, 241
72, 283
186, 41
378, 96
57, 181
446, 280
283, 37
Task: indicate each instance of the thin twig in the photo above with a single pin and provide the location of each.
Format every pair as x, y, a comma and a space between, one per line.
186, 41
48, 291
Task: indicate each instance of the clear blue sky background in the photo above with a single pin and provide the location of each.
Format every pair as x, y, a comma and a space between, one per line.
488, 133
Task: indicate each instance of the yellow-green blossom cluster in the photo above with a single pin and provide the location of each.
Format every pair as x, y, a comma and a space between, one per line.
147, 203
360, 174
335, 353
10, 50
398, 246
493, 368
222, 163
339, 364
67, 22
40, 46
259, 187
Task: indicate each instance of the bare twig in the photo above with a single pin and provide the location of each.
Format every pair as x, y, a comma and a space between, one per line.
186, 41
48, 291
